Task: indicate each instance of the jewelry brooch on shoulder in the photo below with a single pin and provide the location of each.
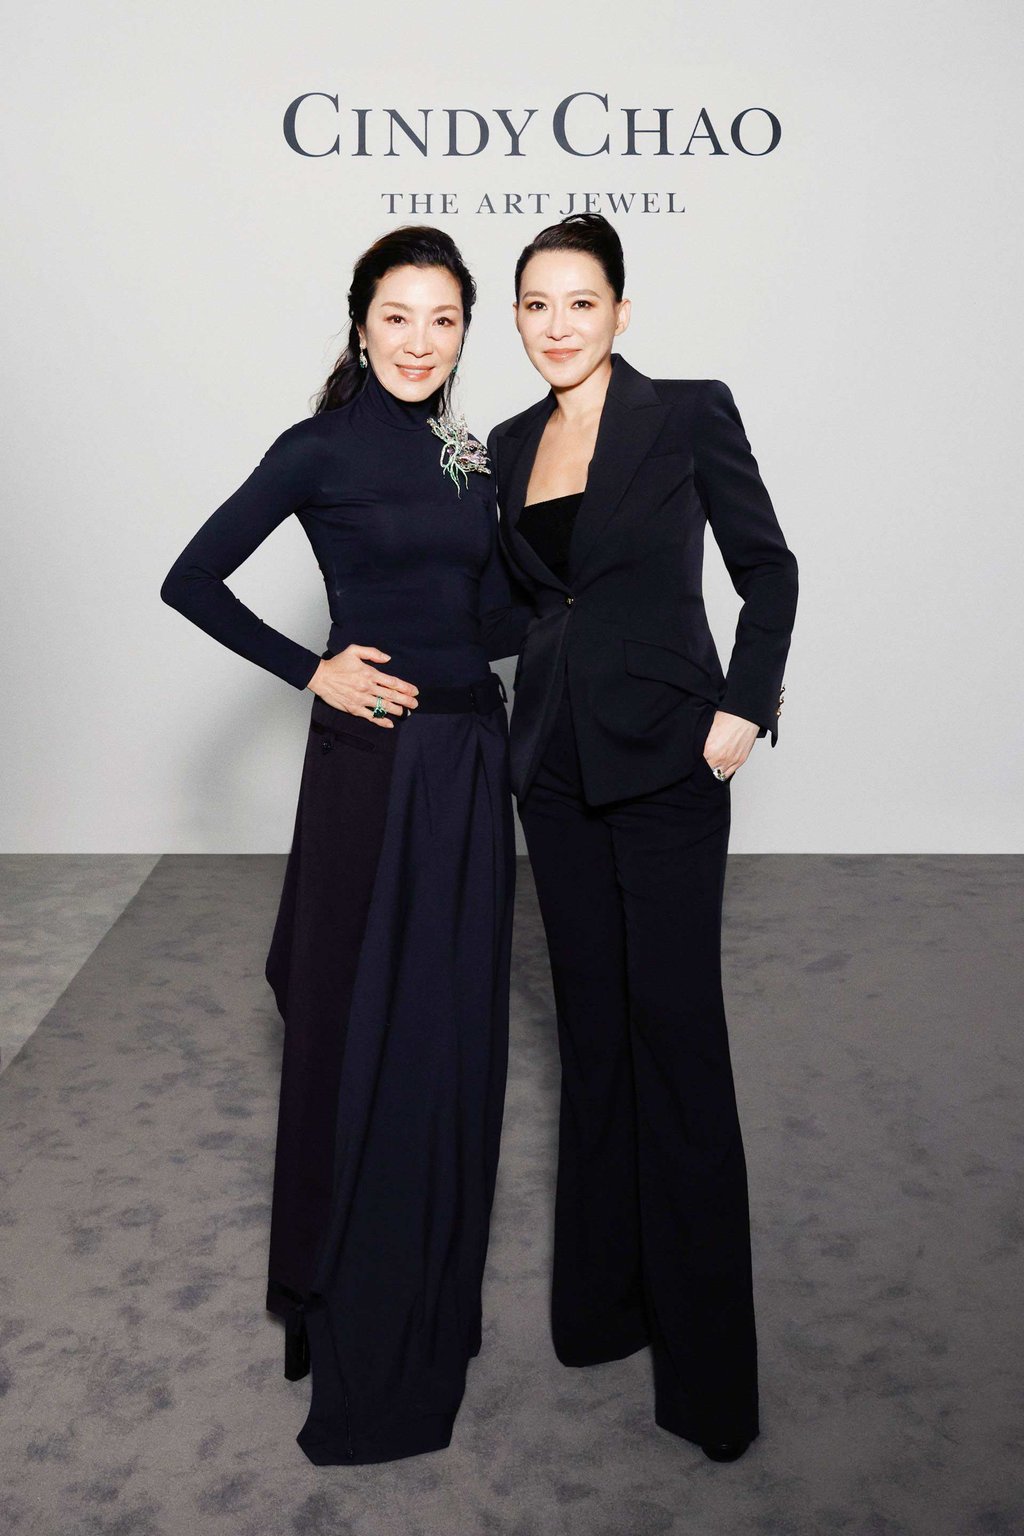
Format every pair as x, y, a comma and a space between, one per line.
462, 452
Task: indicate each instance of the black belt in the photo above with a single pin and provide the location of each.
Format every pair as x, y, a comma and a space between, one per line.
480, 698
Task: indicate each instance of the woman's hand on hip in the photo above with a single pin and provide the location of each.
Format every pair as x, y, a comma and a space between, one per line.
728, 742
350, 681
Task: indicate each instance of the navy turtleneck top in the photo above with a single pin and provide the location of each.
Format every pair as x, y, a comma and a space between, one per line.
410, 564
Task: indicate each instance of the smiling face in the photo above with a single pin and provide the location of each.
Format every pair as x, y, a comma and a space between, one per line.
414, 329
568, 316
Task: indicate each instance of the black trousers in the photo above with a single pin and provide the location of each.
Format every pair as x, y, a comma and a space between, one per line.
652, 1236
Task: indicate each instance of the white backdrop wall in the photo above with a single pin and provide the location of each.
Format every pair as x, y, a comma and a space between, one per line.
174, 290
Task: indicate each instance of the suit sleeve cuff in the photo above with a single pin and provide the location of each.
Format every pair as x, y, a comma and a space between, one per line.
767, 721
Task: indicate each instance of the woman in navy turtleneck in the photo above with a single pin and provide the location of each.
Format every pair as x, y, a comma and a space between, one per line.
390, 955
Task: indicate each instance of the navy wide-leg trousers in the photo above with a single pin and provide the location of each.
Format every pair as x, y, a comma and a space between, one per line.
390, 965
652, 1240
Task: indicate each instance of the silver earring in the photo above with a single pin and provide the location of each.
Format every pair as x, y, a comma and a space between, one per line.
362, 357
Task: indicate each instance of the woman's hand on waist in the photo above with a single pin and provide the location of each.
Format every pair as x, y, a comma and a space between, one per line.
728, 742
350, 681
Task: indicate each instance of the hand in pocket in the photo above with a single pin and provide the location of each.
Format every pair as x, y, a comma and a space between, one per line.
728, 742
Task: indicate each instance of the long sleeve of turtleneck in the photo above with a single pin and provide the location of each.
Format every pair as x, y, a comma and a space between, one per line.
196, 584
410, 563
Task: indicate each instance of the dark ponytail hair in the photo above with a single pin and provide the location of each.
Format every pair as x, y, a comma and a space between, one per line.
410, 245
588, 232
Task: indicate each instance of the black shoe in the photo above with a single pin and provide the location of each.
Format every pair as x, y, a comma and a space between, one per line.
296, 1345
725, 1450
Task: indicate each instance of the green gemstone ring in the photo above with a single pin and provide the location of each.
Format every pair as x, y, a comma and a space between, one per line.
378, 708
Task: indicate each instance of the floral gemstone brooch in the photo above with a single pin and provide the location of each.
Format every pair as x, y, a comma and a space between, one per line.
462, 452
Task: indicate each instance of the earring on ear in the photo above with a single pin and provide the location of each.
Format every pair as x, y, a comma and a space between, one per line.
362, 357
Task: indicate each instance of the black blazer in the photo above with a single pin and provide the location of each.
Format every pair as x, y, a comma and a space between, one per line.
630, 629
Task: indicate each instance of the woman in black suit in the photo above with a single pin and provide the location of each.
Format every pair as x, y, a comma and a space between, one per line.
625, 737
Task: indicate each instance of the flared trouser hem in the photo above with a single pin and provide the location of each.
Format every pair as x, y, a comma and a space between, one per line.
686, 1429
410, 1437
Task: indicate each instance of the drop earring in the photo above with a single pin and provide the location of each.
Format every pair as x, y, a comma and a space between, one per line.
362, 357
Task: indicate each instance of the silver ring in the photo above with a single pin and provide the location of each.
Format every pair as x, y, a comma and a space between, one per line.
378, 708
720, 773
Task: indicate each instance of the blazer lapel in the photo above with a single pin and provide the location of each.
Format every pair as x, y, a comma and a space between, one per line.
631, 419
518, 451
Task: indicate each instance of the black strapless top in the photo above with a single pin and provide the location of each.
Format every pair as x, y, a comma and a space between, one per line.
547, 526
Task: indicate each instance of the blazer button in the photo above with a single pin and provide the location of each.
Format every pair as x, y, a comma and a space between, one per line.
569, 601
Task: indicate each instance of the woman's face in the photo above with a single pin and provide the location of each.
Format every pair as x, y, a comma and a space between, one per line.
414, 329
567, 315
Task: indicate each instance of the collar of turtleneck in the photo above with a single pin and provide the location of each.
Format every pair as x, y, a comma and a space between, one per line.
406, 415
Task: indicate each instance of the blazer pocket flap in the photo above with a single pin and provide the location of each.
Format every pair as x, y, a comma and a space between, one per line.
668, 666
